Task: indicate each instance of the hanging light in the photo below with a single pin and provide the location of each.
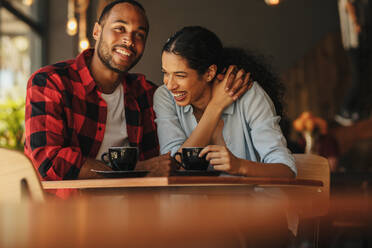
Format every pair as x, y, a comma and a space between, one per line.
272, 2
28, 2
84, 44
83, 41
71, 25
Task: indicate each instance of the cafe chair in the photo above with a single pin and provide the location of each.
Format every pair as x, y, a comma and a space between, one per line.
18, 179
312, 202
314, 167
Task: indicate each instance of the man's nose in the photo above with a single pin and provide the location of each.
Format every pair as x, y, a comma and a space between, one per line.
128, 40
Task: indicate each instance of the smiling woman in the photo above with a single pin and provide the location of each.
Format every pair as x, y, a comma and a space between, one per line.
194, 110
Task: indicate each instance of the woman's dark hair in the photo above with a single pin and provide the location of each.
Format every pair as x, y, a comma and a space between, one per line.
199, 46
260, 72
202, 48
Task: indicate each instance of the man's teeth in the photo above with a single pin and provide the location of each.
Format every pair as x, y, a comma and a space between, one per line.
123, 52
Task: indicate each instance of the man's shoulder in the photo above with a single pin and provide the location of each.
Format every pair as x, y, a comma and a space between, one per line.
54, 68
139, 83
55, 73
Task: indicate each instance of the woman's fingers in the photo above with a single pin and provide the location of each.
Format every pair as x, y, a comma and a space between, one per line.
214, 155
238, 82
230, 76
241, 91
210, 148
241, 86
218, 157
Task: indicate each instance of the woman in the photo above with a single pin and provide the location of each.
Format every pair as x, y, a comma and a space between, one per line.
242, 137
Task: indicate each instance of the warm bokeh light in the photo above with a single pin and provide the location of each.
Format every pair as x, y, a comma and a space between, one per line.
83, 44
28, 2
272, 2
71, 26
21, 43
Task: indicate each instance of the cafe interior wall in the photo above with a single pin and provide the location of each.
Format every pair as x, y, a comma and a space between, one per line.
284, 33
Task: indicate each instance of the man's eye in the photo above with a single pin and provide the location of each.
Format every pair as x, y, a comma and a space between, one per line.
180, 76
140, 35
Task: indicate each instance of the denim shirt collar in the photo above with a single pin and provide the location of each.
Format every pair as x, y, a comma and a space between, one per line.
229, 110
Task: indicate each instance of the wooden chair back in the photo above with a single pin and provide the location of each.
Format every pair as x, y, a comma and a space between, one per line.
18, 178
311, 201
311, 166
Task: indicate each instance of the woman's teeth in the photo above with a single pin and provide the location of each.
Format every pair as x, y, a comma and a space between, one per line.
179, 94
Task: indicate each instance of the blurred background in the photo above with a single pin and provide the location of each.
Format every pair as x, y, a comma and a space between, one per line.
301, 39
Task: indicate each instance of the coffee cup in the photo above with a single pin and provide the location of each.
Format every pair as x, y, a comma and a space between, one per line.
121, 158
191, 160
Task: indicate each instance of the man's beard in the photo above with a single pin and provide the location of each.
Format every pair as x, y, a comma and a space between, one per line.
106, 58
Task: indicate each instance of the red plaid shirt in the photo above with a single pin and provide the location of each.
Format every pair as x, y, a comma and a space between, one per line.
66, 117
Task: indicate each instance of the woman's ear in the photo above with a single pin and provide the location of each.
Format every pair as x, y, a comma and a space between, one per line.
211, 73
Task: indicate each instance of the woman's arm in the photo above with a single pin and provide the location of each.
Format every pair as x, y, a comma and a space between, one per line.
261, 125
222, 159
221, 98
172, 136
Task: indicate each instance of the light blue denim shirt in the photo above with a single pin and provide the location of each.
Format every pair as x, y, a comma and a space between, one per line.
251, 127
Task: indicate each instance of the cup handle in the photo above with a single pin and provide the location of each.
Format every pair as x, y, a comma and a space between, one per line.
107, 162
178, 163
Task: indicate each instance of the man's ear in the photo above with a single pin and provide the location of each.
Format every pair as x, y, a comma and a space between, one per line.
97, 30
211, 73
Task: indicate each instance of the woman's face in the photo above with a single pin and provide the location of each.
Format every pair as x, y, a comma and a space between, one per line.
186, 85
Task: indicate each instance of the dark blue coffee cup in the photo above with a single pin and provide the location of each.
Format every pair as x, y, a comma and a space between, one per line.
191, 160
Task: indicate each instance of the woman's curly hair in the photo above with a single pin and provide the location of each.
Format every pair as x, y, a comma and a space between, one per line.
201, 48
260, 72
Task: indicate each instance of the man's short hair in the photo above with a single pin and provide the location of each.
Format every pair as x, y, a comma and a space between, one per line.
108, 7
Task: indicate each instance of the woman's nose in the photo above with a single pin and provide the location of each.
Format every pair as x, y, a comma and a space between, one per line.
170, 83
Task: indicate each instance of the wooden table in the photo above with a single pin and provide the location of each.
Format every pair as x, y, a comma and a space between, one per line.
142, 222
307, 196
158, 212
193, 181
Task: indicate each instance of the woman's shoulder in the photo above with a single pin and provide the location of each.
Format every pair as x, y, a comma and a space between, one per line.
164, 101
162, 94
255, 98
256, 92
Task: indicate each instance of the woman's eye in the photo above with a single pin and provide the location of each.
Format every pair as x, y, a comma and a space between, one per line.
119, 29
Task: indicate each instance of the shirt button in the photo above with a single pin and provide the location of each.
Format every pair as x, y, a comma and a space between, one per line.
100, 128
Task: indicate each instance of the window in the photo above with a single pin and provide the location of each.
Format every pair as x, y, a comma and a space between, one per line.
21, 53
20, 46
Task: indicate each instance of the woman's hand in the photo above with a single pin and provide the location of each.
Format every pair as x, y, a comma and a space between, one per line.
229, 87
221, 159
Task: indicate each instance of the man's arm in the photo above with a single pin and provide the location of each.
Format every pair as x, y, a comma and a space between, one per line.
47, 135
89, 164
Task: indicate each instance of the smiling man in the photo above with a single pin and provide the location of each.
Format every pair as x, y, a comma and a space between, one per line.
77, 109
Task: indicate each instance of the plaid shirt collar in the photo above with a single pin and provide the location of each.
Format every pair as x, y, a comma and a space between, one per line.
82, 66
88, 81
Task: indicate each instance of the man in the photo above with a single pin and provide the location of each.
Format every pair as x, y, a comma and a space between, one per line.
76, 109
